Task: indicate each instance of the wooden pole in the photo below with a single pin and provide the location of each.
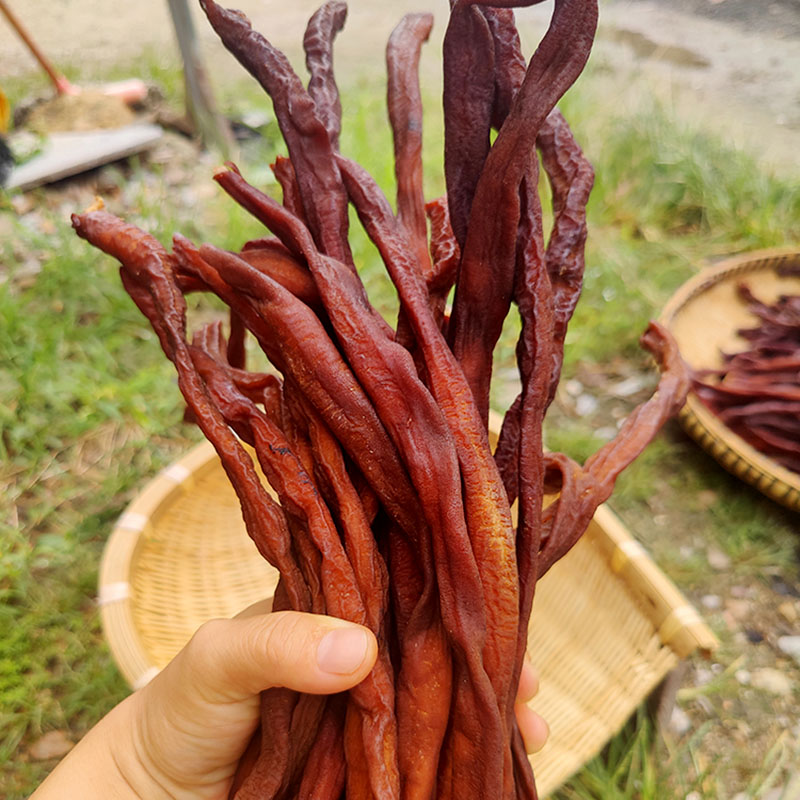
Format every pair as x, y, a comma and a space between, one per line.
211, 126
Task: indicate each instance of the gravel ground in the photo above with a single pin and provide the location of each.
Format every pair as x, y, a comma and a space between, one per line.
730, 65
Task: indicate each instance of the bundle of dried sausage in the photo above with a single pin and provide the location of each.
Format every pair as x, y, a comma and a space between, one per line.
393, 511
756, 393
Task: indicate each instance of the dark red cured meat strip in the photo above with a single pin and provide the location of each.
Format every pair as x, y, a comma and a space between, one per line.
310, 148
322, 28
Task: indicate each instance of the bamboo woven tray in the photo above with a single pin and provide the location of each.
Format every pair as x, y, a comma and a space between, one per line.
608, 625
704, 315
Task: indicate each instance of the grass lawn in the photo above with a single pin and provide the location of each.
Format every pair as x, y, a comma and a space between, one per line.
89, 410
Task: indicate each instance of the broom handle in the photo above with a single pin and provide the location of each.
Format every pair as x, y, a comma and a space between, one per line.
61, 83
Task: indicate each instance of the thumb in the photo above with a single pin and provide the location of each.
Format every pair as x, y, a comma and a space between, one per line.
229, 660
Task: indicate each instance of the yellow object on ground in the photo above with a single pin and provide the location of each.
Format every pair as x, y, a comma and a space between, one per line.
5, 112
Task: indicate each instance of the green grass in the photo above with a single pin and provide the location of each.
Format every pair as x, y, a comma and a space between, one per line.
665, 180
89, 408
85, 397
636, 765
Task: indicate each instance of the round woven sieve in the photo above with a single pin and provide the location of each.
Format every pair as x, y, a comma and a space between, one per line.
608, 625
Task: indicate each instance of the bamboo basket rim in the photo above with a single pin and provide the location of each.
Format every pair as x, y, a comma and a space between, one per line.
597, 675
726, 447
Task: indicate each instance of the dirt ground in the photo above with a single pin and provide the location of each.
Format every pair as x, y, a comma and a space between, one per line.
734, 64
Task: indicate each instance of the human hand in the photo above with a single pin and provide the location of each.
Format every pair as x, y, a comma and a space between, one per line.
532, 726
183, 734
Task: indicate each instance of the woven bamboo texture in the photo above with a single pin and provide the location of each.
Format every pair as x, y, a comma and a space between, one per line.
607, 624
704, 315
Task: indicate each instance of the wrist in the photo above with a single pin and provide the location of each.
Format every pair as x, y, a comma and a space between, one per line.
131, 755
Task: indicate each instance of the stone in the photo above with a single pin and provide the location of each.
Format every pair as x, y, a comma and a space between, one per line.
738, 609
628, 386
585, 404
717, 559
711, 601
22, 203
788, 610
679, 721
706, 498
783, 588
54, 744
772, 680
606, 433
731, 623
702, 676
790, 645
743, 676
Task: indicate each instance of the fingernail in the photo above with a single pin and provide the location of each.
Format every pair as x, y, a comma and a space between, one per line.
342, 651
